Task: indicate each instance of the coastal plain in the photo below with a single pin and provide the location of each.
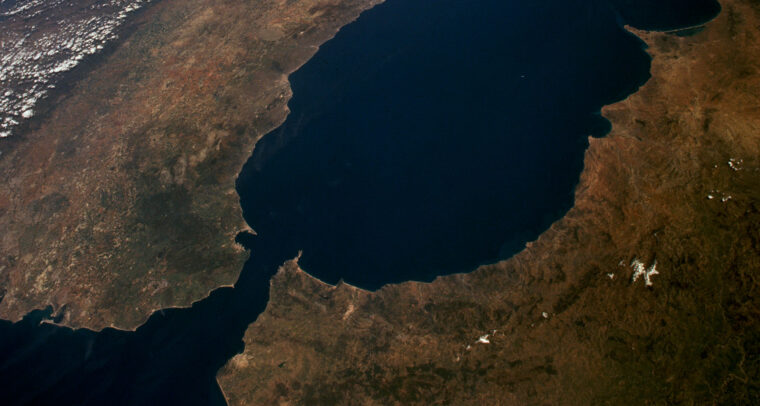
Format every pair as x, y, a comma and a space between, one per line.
644, 293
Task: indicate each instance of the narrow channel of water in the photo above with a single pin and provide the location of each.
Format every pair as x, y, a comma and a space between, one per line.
426, 138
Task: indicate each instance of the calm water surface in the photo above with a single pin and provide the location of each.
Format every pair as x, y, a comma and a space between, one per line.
428, 137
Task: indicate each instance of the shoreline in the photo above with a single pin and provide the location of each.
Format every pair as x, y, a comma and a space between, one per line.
266, 114
244, 228
573, 330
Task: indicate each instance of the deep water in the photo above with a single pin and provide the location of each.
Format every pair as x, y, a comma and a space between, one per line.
426, 138
414, 150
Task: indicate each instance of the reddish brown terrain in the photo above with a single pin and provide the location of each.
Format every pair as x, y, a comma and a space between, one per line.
121, 199
582, 315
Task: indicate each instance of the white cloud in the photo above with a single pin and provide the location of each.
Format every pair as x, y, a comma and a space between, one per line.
32, 60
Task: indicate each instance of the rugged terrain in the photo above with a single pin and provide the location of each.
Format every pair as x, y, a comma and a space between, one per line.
644, 293
120, 200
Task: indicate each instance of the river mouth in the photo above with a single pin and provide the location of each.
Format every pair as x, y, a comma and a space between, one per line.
524, 84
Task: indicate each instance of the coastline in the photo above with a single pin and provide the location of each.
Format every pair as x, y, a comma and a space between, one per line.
561, 328
105, 238
244, 228
550, 324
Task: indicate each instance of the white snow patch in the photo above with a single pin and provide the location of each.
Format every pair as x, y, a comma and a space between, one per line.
484, 339
735, 164
724, 197
639, 270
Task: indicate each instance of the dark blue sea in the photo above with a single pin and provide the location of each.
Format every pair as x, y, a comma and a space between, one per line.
426, 138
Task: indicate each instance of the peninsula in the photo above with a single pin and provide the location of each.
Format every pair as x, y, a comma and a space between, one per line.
120, 200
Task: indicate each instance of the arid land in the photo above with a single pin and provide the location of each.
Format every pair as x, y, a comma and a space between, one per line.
119, 200
140, 156
646, 292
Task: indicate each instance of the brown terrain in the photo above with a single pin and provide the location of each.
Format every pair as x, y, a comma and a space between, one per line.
676, 183
121, 199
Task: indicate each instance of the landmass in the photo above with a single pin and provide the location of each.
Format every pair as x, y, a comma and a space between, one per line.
118, 198
644, 293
